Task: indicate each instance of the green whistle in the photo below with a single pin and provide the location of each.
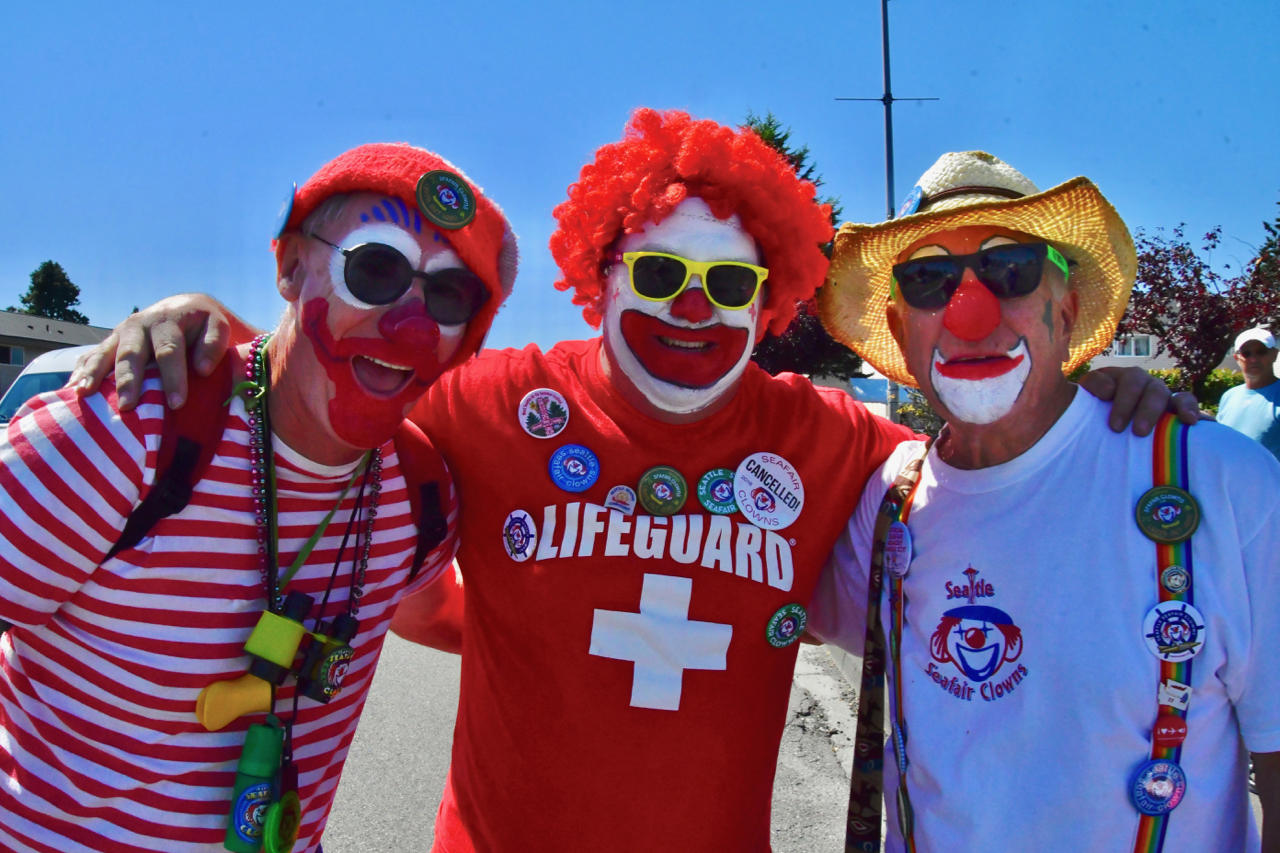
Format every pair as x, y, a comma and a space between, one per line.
255, 788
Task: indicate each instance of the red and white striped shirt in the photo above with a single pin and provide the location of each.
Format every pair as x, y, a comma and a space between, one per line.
100, 748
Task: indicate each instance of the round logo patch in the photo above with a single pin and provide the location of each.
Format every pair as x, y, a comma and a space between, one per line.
897, 550
286, 210
446, 199
1168, 514
662, 490
621, 498
249, 813
544, 413
333, 669
768, 491
1175, 579
715, 492
1174, 631
912, 202
1158, 787
1169, 732
519, 536
786, 626
284, 818
574, 468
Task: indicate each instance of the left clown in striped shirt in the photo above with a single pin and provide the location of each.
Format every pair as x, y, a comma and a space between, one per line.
126, 692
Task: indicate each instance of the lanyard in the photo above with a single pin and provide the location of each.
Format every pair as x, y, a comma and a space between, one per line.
866, 789
1173, 562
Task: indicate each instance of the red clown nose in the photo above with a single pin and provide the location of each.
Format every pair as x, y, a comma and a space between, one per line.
692, 305
974, 312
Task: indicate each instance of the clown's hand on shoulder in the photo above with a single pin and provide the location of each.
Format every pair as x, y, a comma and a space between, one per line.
1138, 398
163, 331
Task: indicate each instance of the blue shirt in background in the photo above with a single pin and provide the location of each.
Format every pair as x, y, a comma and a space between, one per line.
1254, 413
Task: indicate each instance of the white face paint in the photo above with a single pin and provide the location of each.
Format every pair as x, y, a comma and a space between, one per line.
982, 401
685, 374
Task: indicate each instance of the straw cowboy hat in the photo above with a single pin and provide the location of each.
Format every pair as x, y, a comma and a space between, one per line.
975, 188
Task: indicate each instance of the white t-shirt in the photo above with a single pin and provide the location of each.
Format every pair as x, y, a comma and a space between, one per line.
1024, 736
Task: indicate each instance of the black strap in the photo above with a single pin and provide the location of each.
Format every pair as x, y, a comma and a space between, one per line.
433, 527
169, 496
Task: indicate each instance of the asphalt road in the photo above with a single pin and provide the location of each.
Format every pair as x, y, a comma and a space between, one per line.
393, 778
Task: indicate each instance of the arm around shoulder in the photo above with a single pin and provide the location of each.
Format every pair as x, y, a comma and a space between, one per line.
433, 616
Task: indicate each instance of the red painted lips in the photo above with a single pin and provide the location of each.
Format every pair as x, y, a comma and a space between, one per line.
978, 368
690, 358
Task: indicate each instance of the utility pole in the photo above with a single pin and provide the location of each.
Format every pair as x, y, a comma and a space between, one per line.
889, 195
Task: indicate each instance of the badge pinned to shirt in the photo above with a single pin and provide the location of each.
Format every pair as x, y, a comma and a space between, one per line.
621, 498
543, 413
715, 492
786, 626
768, 490
663, 490
1174, 631
1158, 787
1167, 514
574, 468
897, 550
1175, 579
1174, 694
519, 536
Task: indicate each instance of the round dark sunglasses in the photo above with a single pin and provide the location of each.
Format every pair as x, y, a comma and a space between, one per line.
1008, 271
378, 274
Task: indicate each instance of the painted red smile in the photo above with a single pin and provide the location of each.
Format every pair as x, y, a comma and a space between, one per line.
978, 368
689, 358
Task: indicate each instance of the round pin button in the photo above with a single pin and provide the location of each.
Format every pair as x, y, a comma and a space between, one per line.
786, 626
543, 413
897, 550
1169, 732
662, 490
1168, 514
446, 199
574, 468
286, 210
1175, 579
621, 498
1174, 631
519, 536
715, 492
1158, 787
768, 490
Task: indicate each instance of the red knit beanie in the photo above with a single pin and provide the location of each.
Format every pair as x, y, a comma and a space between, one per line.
486, 244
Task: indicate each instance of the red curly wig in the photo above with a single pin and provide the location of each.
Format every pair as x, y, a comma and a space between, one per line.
665, 157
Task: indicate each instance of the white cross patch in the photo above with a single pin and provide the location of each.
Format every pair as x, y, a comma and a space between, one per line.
661, 641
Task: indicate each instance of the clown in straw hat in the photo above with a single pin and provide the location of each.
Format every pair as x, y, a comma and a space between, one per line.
1040, 565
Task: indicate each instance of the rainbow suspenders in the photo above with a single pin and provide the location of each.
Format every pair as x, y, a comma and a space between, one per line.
1173, 631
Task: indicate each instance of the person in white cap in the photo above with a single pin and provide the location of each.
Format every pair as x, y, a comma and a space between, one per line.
1080, 622
1254, 407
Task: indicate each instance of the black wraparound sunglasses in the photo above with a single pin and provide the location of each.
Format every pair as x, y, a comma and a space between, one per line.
378, 274
1008, 271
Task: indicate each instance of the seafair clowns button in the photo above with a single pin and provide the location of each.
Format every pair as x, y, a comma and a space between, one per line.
768, 491
621, 498
1175, 579
544, 413
519, 536
1174, 694
446, 199
1170, 731
1174, 631
897, 550
786, 626
574, 468
286, 211
1158, 787
715, 492
663, 490
1168, 514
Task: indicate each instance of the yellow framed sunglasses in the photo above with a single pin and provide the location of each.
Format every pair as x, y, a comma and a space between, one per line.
660, 277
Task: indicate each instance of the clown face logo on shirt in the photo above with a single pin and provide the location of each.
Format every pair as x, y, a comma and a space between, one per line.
447, 196
763, 500
978, 640
1168, 513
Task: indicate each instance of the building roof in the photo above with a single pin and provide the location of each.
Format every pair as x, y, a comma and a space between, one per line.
57, 332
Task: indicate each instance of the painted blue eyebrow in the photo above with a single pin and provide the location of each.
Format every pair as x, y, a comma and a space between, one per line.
417, 223
379, 215
395, 217
404, 211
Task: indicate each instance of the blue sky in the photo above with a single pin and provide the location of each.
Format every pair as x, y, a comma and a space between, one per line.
147, 146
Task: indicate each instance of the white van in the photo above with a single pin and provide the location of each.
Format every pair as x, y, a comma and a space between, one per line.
47, 372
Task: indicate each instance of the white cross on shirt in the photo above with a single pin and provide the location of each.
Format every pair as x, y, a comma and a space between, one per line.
661, 641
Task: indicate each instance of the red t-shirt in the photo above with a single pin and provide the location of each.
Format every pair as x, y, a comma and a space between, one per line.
625, 697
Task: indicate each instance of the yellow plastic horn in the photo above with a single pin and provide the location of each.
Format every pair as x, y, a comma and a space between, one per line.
224, 701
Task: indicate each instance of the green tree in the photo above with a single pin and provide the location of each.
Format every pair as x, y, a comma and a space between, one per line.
52, 295
805, 347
